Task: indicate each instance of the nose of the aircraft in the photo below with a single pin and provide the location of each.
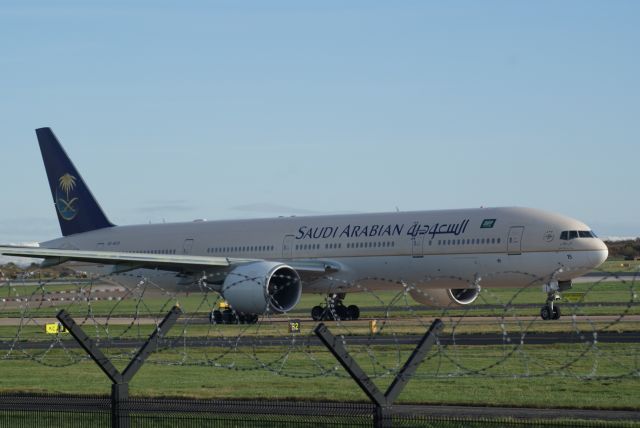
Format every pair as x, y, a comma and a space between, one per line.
600, 254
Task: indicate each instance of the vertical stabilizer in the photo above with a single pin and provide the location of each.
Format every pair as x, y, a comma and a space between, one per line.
77, 209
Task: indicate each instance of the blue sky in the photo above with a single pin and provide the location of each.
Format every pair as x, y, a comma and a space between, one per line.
182, 110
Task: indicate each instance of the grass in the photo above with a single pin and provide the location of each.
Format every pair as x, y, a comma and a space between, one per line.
620, 266
571, 376
576, 375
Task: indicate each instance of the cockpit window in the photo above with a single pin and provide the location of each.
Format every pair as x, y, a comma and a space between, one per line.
567, 235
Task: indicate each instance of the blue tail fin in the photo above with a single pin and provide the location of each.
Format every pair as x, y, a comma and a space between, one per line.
77, 209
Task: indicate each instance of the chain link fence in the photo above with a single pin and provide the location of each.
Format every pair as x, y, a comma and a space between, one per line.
28, 410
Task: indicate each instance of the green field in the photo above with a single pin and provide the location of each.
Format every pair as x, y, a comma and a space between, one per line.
580, 375
560, 375
620, 266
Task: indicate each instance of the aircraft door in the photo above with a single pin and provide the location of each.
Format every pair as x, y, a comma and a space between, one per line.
187, 246
514, 241
287, 247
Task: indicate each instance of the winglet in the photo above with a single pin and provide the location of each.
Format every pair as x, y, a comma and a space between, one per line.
77, 209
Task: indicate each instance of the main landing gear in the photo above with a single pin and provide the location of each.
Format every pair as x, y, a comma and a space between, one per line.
551, 311
225, 315
228, 316
334, 309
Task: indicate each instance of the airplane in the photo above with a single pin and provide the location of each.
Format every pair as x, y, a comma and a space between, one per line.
260, 266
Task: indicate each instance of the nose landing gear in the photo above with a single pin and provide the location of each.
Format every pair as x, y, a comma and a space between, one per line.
334, 309
551, 311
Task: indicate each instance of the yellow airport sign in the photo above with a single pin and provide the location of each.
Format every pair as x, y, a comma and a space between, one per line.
55, 328
295, 326
573, 297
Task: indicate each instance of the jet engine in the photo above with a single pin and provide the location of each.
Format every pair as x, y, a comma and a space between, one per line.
445, 297
261, 287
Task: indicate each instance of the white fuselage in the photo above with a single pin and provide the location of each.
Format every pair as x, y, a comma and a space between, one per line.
491, 247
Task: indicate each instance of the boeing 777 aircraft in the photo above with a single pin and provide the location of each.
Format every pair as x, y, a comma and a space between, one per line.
260, 266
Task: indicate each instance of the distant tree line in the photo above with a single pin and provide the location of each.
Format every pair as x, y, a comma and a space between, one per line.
11, 271
626, 250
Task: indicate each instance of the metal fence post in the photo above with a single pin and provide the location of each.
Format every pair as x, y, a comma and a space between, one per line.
119, 410
382, 417
120, 381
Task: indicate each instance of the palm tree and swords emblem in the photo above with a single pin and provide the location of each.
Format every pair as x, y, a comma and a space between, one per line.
66, 183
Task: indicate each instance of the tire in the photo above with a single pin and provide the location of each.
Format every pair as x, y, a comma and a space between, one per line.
545, 313
316, 313
556, 313
228, 317
216, 317
354, 312
342, 312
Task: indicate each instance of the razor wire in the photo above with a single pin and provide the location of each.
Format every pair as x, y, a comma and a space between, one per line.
119, 315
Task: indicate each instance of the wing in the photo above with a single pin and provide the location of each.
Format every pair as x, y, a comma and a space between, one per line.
171, 262
123, 261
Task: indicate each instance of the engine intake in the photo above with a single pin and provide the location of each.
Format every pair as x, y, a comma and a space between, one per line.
262, 287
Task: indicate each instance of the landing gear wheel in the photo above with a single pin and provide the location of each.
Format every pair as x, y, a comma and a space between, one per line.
215, 317
251, 318
316, 313
545, 313
341, 312
334, 309
556, 313
353, 311
229, 317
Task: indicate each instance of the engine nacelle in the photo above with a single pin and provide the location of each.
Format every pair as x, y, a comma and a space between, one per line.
445, 297
261, 287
